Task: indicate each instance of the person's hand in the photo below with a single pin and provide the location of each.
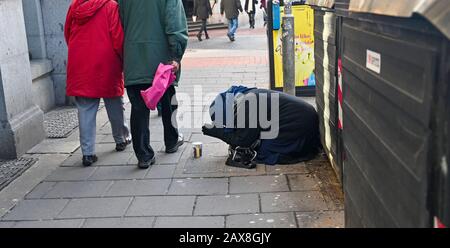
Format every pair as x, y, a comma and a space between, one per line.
176, 66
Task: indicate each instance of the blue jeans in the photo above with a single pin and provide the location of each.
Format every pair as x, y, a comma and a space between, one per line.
232, 26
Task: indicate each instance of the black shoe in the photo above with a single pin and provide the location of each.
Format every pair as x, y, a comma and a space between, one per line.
199, 37
241, 164
146, 164
174, 149
89, 160
230, 37
207, 37
122, 146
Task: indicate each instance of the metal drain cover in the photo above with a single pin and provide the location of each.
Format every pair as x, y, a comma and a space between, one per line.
10, 170
61, 123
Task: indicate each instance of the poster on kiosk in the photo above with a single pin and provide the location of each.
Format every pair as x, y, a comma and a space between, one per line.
304, 46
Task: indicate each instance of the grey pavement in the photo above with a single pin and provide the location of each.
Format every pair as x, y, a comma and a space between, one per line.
179, 191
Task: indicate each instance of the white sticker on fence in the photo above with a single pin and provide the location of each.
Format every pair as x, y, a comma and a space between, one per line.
373, 61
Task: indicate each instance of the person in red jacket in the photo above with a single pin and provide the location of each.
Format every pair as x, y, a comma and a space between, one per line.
94, 36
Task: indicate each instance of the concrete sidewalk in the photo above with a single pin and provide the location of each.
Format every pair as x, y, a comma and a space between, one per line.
178, 191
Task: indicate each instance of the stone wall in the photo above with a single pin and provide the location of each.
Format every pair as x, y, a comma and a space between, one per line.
41, 67
21, 121
54, 17
42, 87
35, 29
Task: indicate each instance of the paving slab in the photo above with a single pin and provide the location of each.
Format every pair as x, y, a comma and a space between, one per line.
303, 182
163, 158
190, 222
40, 190
269, 220
55, 146
199, 186
107, 148
36, 210
287, 169
118, 173
213, 159
104, 138
292, 201
50, 224
24, 184
7, 224
196, 137
162, 206
71, 174
255, 184
113, 158
95, 208
161, 171
142, 222
323, 219
75, 160
139, 187
221, 171
205, 165
78, 189
227, 204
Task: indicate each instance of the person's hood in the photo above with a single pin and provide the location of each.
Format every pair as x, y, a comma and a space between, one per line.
83, 10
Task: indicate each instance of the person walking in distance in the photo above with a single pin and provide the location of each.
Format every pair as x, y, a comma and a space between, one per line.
250, 8
203, 10
231, 9
156, 32
94, 37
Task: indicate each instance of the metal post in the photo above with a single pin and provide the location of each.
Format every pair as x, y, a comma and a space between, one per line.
288, 40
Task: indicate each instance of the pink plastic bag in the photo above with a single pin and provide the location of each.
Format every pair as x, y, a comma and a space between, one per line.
164, 77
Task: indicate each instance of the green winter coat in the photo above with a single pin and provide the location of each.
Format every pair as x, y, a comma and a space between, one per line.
155, 32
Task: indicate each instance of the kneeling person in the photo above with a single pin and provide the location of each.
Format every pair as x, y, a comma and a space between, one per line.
297, 136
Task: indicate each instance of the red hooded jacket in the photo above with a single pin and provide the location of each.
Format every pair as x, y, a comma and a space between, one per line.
94, 35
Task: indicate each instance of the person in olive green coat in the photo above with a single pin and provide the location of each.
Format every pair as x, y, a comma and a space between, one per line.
156, 32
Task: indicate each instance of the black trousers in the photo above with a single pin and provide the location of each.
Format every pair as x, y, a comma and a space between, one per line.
203, 28
140, 121
251, 17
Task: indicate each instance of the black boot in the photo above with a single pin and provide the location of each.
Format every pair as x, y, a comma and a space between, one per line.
199, 36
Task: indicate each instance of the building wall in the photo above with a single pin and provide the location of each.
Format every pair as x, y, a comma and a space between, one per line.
21, 120
41, 68
54, 17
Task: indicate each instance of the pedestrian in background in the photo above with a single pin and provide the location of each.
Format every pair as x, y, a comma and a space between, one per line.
94, 36
250, 8
202, 10
156, 32
263, 6
231, 9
